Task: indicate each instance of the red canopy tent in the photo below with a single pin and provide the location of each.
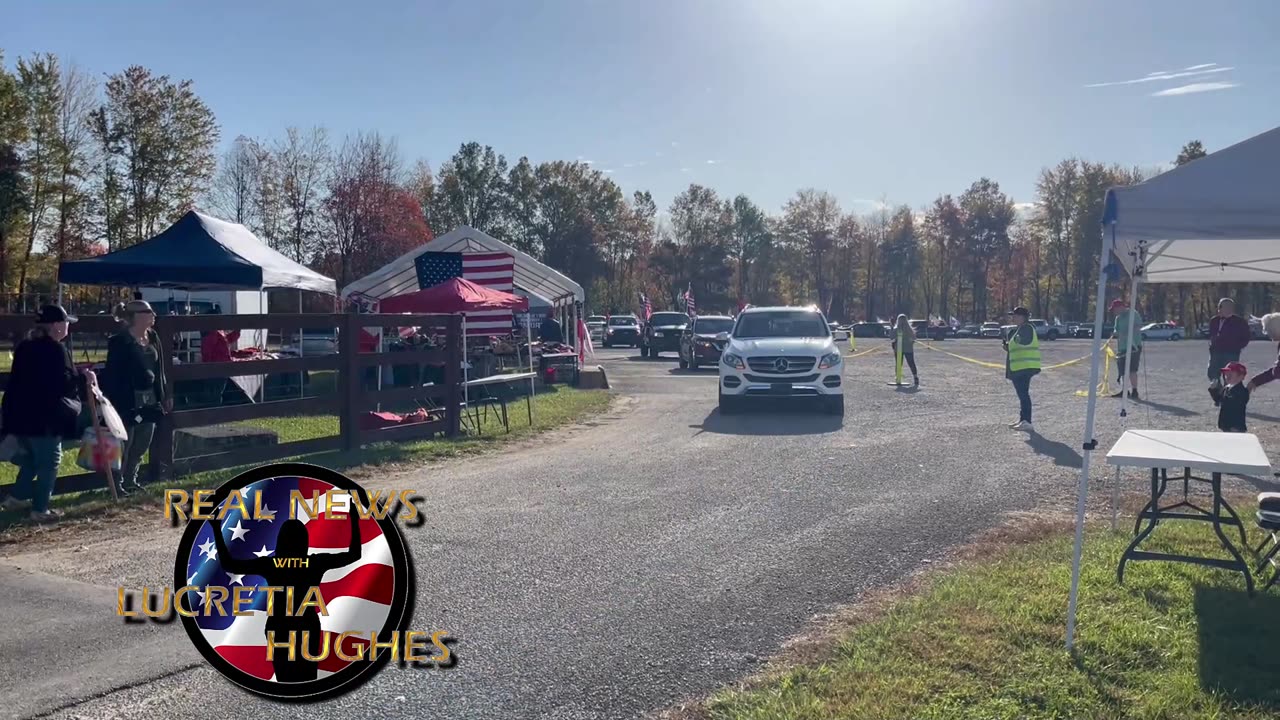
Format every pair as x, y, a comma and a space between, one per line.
453, 296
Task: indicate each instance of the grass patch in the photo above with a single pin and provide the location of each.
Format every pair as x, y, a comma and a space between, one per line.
986, 641
551, 409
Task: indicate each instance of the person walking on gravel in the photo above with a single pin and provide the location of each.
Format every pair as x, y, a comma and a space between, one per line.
1128, 349
1021, 364
1228, 337
904, 335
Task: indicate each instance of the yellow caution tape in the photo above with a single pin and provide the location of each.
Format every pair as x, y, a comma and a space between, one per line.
865, 352
1104, 387
983, 363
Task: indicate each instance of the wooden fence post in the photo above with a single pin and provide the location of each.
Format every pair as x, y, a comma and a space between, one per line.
453, 376
161, 464
349, 381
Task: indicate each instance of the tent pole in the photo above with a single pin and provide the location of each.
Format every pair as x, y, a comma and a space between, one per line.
466, 377
1082, 492
301, 373
528, 330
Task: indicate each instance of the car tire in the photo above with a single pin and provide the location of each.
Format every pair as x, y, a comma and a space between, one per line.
644, 351
728, 404
834, 405
608, 344
1175, 336
693, 361
1053, 335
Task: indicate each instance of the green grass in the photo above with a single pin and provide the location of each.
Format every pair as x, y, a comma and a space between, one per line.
986, 641
551, 409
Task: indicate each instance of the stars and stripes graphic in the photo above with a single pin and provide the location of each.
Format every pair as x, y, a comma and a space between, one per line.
357, 596
495, 271
646, 307
690, 307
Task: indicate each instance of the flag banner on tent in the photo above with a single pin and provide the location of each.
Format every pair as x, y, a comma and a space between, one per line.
495, 271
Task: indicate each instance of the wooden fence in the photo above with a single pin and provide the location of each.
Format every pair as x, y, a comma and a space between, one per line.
350, 400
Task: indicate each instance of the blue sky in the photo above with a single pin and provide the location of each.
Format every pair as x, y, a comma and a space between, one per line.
868, 99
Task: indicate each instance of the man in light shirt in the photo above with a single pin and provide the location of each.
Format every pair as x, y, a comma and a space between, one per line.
1128, 349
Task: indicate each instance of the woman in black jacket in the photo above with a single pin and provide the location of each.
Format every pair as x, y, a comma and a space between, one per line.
41, 407
135, 385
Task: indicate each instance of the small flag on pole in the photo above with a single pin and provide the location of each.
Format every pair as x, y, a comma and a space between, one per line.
690, 307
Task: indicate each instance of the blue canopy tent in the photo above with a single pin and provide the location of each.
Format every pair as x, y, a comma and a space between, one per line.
198, 252
1216, 219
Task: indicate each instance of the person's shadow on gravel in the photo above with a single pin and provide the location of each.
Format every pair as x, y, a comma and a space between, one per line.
1062, 453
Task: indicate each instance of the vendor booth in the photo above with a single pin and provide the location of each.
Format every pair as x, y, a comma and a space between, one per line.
202, 253
1214, 220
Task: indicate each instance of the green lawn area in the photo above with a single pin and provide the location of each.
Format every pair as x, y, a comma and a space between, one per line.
551, 409
985, 640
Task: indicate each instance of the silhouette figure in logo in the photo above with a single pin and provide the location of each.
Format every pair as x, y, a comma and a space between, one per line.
292, 567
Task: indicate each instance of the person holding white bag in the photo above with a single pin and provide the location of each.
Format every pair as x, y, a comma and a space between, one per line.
41, 407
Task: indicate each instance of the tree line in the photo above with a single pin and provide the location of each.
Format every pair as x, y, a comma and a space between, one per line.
89, 166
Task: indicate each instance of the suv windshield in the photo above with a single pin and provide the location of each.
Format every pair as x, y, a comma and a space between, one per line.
668, 318
712, 326
780, 323
623, 320
198, 307
596, 319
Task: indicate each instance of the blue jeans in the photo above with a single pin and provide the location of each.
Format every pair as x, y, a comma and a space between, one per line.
1022, 386
38, 461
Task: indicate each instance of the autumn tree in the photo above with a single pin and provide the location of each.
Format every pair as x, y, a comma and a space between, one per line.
809, 223
747, 241
160, 137
988, 215
471, 189
1191, 151
302, 165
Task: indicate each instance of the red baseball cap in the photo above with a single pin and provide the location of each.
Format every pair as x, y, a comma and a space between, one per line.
1235, 367
1118, 302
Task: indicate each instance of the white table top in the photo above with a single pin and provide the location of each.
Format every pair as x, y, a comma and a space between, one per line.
1235, 453
508, 377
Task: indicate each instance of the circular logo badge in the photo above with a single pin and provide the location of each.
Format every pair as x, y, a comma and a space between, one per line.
293, 580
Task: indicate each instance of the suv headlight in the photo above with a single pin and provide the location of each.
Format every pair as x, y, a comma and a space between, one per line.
734, 361
829, 360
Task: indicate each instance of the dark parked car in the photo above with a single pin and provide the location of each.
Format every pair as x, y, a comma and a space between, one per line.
932, 332
703, 340
867, 330
662, 333
622, 330
969, 331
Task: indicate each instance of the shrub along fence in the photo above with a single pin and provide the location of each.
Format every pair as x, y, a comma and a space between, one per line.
352, 396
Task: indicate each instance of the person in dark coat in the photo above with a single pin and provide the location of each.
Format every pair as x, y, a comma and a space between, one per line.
1228, 337
135, 385
550, 331
41, 408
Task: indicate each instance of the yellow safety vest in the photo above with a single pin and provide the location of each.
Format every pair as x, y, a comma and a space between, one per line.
1024, 357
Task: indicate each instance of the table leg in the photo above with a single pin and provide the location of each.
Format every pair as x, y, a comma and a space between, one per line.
1153, 503
1217, 528
1157, 489
1244, 541
528, 406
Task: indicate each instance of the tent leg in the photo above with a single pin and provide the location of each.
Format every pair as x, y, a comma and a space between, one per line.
1082, 492
466, 377
528, 329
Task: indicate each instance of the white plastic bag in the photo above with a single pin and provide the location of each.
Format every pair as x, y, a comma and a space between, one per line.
110, 418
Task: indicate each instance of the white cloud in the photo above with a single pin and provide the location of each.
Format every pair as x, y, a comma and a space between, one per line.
675, 144
1208, 69
711, 162
1200, 67
1195, 88
684, 170
628, 165
610, 171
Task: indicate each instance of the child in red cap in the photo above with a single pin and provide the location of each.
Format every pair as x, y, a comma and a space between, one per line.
1235, 398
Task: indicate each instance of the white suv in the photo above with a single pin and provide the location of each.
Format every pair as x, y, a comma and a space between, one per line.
776, 352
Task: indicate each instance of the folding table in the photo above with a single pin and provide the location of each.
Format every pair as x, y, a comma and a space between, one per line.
1211, 452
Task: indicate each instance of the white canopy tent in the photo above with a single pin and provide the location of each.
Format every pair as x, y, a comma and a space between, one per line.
1216, 219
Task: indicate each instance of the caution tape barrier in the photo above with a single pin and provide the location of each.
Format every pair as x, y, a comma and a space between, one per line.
1104, 387
865, 352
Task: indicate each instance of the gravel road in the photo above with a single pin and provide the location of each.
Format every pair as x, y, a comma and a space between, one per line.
614, 568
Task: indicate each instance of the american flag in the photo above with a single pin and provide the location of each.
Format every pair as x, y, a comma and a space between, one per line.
689, 306
357, 596
495, 271
646, 307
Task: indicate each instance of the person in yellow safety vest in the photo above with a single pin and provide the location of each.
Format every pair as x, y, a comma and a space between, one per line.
1022, 364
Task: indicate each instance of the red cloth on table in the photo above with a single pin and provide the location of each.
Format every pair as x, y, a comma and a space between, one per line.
368, 341
378, 420
216, 345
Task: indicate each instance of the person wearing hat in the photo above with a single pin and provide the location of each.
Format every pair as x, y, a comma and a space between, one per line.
41, 408
1234, 399
135, 385
1022, 363
1228, 337
1128, 349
